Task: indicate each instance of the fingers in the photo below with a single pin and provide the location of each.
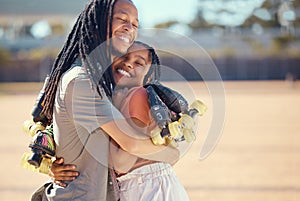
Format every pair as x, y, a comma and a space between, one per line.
61, 183
59, 161
65, 176
60, 172
63, 172
60, 169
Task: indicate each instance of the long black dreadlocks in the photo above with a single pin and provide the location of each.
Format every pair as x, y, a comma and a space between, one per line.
89, 31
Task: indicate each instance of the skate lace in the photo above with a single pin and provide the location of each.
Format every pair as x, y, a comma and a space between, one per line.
47, 141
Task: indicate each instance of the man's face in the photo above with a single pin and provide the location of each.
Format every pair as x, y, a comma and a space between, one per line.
124, 26
130, 69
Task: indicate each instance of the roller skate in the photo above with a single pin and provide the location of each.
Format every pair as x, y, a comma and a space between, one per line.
187, 122
43, 168
42, 144
43, 150
162, 116
182, 117
173, 100
39, 121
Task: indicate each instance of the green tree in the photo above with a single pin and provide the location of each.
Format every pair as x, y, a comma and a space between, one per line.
269, 5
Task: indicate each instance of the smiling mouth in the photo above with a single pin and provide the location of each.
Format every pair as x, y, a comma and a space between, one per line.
125, 39
123, 72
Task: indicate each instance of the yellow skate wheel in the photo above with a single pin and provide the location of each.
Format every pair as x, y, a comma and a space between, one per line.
189, 135
186, 121
171, 142
24, 163
36, 127
26, 126
175, 129
199, 106
45, 165
156, 137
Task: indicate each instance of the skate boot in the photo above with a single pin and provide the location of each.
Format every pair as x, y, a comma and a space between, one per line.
162, 117
43, 150
37, 115
173, 100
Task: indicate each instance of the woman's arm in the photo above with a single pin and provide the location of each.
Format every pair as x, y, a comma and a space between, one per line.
121, 161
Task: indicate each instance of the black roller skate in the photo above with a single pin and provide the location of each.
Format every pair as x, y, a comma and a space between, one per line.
42, 144
43, 150
182, 116
173, 100
162, 116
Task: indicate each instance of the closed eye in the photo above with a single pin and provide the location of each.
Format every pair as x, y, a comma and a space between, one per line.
140, 64
121, 19
135, 25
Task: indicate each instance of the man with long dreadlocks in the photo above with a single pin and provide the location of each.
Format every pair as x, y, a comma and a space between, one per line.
133, 73
77, 100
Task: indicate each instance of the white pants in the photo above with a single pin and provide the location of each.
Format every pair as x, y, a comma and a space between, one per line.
153, 182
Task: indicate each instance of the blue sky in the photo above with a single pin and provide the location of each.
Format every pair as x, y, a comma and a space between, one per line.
156, 11
224, 12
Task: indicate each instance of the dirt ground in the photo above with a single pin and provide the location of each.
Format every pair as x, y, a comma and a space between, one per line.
257, 157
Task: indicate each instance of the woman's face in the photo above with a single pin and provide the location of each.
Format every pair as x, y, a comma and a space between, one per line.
124, 26
130, 69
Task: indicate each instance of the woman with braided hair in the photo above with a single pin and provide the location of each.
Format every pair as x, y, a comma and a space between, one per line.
78, 100
140, 179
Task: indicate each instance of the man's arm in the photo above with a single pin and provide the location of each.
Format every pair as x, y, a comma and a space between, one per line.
134, 105
93, 111
121, 160
131, 141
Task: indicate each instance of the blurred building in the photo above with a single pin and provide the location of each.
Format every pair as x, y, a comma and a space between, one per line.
23, 24
31, 34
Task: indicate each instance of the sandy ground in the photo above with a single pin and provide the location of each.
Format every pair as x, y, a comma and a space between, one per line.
257, 157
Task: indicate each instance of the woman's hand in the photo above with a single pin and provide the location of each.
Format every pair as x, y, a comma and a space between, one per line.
61, 172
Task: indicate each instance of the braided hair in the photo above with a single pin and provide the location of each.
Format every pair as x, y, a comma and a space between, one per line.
154, 72
91, 29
